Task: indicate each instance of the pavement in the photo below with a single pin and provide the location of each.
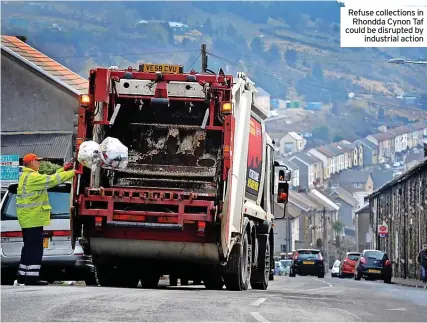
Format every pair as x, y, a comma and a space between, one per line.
286, 300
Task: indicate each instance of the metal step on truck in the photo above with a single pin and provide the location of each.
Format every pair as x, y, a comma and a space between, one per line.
196, 199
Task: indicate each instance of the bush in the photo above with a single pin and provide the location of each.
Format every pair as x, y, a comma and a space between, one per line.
48, 168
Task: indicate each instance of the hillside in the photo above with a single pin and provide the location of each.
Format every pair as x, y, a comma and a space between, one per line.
291, 49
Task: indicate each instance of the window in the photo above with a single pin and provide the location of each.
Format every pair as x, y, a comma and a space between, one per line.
59, 201
308, 254
353, 256
377, 255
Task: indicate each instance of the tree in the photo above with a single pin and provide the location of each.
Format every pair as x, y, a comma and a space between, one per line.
274, 53
48, 168
317, 72
291, 57
257, 46
381, 113
207, 27
321, 132
338, 227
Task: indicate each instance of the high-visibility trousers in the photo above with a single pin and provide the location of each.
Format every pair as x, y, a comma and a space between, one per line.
31, 255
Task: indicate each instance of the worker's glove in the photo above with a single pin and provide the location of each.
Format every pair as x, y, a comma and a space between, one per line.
68, 165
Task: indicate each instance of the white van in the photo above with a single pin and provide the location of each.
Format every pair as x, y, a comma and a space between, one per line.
60, 261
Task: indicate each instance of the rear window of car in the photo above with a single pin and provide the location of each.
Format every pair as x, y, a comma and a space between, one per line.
59, 201
307, 254
377, 255
285, 263
353, 256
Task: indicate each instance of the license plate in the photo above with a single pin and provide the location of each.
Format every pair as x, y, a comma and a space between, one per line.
374, 271
164, 68
308, 262
45, 242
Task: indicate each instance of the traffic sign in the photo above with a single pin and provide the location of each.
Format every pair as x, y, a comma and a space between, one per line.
9, 166
383, 230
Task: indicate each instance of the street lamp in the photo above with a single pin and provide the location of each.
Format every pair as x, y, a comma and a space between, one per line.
405, 61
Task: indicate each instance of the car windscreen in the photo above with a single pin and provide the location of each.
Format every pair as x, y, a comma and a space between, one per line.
377, 255
354, 257
59, 201
308, 254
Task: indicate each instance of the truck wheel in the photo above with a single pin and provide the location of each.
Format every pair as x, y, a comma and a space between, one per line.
213, 279
261, 276
239, 266
173, 280
90, 279
126, 277
184, 282
150, 280
105, 275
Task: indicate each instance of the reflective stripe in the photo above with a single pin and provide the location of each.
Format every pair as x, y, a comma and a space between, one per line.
32, 267
47, 181
24, 185
33, 273
22, 266
30, 194
58, 178
30, 205
22, 273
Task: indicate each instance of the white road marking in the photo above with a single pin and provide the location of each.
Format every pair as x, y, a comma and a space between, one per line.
399, 309
316, 289
258, 317
259, 301
322, 281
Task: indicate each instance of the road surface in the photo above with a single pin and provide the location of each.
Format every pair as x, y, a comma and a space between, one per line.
287, 299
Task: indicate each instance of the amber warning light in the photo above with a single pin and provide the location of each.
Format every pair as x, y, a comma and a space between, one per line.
85, 99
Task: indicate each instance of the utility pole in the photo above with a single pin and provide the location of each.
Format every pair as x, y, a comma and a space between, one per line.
288, 225
325, 239
204, 58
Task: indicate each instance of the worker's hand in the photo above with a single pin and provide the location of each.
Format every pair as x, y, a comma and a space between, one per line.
68, 165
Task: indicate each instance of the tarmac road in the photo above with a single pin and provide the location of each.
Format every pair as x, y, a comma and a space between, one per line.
287, 299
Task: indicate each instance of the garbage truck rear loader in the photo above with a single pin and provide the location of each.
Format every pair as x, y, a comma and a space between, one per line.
196, 198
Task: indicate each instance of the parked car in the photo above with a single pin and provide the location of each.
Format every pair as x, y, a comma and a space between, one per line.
307, 262
286, 263
335, 268
60, 261
348, 264
374, 264
279, 269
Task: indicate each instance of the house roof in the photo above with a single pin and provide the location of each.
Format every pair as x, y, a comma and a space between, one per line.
342, 146
324, 151
411, 157
291, 209
344, 195
295, 135
382, 136
367, 142
401, 130
322, 201
305, 157
381, 176
46, 145
362, 209
418, 125
353, 176
44, 65
290, 164
300, 200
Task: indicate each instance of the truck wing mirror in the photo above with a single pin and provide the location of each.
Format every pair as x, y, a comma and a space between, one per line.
284, 176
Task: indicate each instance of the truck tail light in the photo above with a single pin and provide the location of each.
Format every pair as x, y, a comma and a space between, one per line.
85, 99
226, 107
201, 225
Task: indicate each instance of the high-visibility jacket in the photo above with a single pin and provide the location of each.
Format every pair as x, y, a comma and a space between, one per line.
32, 200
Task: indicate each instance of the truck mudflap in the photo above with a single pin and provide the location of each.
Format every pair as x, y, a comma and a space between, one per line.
154, 208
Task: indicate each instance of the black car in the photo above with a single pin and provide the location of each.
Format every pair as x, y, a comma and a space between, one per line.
307, 262
374, 264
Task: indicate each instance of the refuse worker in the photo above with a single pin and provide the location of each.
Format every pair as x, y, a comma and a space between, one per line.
33, 211
422, 260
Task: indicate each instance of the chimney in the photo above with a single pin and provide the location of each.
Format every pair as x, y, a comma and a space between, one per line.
22, 38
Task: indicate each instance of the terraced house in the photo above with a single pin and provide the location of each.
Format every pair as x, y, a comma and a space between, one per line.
39, 98
385, 142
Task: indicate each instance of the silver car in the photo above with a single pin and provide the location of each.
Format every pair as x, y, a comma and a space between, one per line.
60, 261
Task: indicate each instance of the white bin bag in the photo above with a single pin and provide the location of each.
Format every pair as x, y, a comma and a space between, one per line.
113, 153
89, 154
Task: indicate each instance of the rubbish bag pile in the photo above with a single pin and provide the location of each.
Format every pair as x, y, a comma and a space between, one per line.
111, 153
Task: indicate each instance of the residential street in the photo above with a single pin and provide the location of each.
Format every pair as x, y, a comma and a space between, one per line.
287, 299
